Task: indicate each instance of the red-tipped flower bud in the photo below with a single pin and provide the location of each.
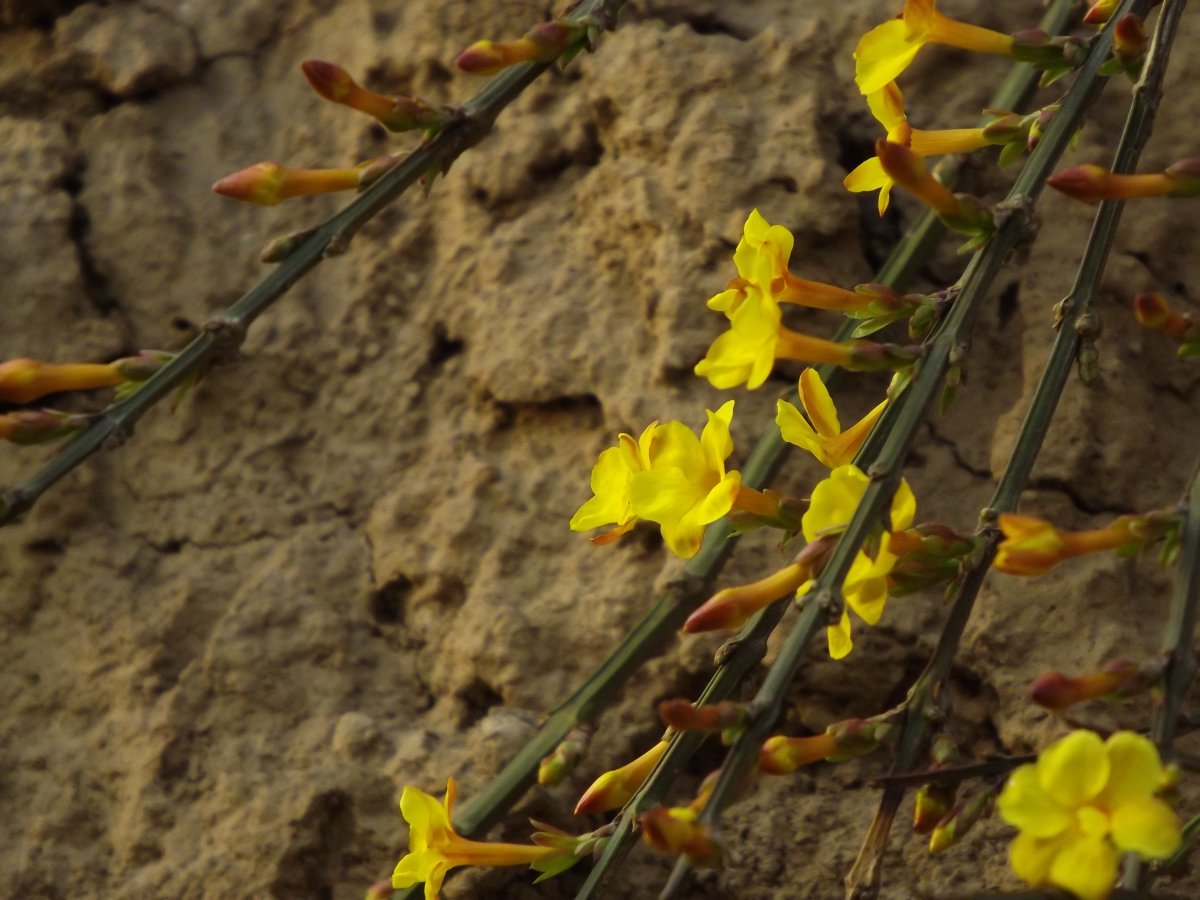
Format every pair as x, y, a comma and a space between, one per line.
268, 183
614, 788
683, 715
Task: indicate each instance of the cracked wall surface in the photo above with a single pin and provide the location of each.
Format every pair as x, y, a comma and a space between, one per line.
341, 564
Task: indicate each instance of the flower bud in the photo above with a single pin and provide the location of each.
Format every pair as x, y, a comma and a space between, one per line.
268, 183
731, 607
23, 380
1100, 12
954, 827
933, 801
1129, 39
683, 715
614, 788
1120, 678
398, 113
562, 762
38, 426
544, 43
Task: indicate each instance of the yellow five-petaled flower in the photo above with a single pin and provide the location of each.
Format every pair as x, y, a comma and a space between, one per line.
672, 478
434, 848
887, 50
824, 438
1082, 802
831, 508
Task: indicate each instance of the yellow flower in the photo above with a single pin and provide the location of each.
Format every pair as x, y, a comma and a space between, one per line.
610, 481
887, 106
434, 848
762, 258
1082, 802
824, 438
1032, 546
746, 352
761, 254
887, 50
684, 486
831, 508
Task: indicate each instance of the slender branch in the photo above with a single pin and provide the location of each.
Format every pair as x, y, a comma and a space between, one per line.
225, 333
895, 433
926, 695
954, 773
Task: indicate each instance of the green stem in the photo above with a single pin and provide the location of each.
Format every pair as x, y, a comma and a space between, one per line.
823, 603
467, 128
925, 696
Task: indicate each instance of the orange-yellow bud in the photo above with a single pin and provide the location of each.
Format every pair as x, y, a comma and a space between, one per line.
1100, 12
398, 113
1129, 38
782, 755
1057, 692
23, 380
731, 607
683, 715
545, 42
614, 788
268, 183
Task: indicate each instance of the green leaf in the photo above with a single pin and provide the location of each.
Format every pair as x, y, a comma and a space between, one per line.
553, 865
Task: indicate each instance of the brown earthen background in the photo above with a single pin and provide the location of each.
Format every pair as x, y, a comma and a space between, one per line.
342, 564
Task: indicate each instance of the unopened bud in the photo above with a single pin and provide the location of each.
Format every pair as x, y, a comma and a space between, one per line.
544, 43
933, 801
268, 183
397, 113
558, 765
24, 380
38, 426
1129, 38
614, 788
1057, 692
683, 715
1100, 12
954, 827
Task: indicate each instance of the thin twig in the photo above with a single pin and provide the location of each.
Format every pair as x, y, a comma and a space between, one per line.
225, 333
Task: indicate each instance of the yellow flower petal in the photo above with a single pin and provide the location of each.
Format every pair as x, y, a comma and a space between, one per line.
1086, 867
1146, 826
887, 106
1075, 769
746, 352
838, 637
1031, 857
1134, 766
715, 442
904, 507
796, 430
833, 501
818, 405
882, 54
1024, 804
